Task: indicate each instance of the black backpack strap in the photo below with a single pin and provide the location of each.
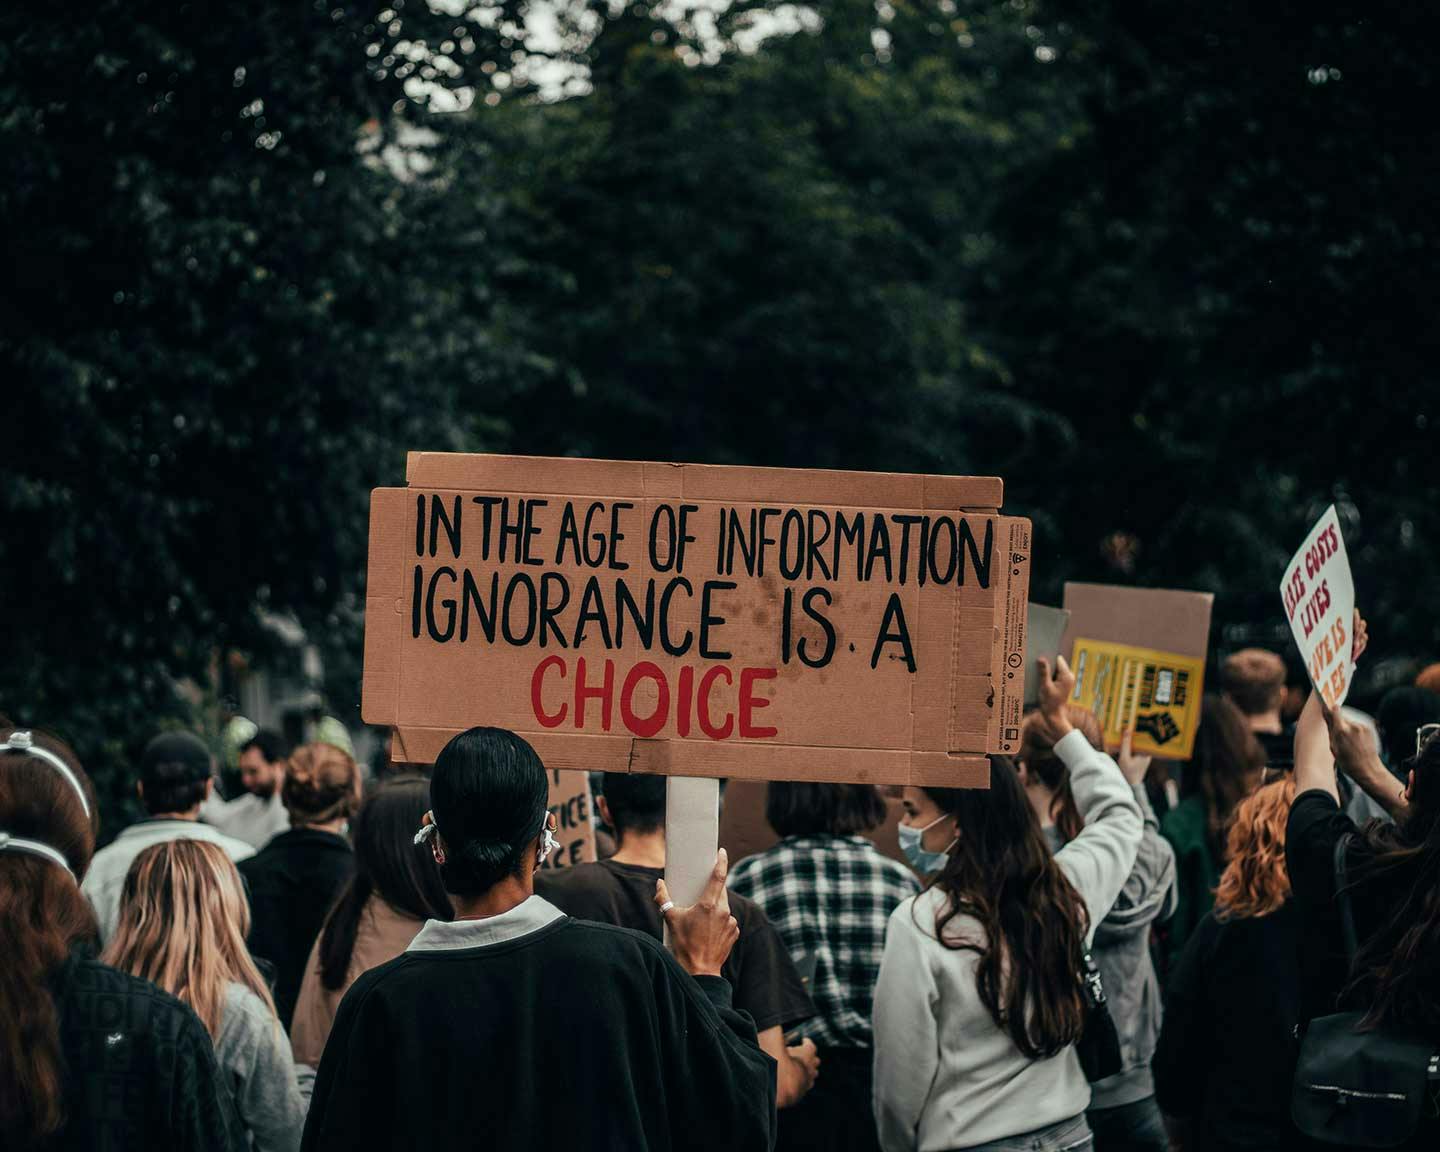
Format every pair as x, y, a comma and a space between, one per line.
1342, 897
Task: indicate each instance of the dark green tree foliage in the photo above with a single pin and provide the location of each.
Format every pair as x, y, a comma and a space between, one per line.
1228, 286
1169, 271
224, 325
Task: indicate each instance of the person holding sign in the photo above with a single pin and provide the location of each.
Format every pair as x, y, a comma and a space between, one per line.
621, 891
981, 997
516, 1027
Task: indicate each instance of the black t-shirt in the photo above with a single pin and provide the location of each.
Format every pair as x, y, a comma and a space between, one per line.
759, 969
1279, 748
578, 1036
293, 881
1315, 826
140, 1071
1226, 1055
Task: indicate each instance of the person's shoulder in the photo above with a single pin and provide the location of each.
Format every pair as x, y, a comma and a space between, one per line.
895, 872
580, 877
928, 901
246, 1005
120, 999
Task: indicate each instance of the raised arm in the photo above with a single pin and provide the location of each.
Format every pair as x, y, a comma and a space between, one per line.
1098, 861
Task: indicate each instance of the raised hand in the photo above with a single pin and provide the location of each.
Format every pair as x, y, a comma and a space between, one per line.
702, 935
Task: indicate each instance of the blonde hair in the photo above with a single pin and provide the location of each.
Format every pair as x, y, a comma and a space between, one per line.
183, 922
322, 783
1255, 882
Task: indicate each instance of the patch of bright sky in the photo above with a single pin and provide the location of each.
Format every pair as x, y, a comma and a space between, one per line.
549, 37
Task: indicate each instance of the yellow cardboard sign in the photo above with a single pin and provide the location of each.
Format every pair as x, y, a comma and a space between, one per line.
1158, 693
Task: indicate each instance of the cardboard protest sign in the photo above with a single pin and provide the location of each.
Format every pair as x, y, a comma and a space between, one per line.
575, 832
1156, 693
1319, 596
695, 620
1044, 628
1144, 653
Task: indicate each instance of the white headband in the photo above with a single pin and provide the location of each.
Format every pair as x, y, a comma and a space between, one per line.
10, 843
25, 743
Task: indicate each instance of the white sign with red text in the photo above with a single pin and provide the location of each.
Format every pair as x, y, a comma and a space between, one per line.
1319, 595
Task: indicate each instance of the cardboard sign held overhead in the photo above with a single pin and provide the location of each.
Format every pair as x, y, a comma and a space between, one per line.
1319, 595
1139, 659
575, 831
699, 621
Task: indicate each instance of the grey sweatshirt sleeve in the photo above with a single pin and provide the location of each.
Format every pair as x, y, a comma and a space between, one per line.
1149, 893
1099, 860
256, 1058
907, 1039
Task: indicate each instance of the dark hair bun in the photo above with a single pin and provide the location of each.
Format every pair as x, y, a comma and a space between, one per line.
488, 793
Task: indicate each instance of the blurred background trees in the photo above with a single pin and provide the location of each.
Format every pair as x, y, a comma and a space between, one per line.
1169, 272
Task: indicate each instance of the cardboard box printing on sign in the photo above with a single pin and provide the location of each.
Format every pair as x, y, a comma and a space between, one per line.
699, 620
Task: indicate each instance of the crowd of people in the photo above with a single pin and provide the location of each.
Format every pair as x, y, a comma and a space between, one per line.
1094, 951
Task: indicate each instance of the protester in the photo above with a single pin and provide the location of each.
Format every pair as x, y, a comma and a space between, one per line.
621, 890
89, 1057
1253, 679
395, 889
183, 919
829, 892
1123, 1114
537, 1029
981, 996
1227, 1050
1226, 766
1402, 711
1429, 678
176, 777
1390, 872
296, 877
259, 813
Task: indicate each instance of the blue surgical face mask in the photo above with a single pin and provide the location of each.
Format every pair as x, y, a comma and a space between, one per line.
922, 859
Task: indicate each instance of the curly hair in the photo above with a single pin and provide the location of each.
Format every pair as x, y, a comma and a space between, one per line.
1255, 882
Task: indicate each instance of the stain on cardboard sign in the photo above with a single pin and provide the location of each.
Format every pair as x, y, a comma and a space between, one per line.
699, 620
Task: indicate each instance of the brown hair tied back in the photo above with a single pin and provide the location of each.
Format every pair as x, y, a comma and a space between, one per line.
322, 783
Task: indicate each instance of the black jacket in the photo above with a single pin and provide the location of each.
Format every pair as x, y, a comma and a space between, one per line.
1227, 1048
576, 1035
293, 882
140, 1071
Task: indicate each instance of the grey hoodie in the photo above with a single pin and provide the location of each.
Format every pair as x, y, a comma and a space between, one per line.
1122, 953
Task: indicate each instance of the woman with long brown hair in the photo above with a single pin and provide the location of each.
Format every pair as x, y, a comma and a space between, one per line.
1392, 873
981, 998
1226, 1054
396, 888
183, 919
89, 1057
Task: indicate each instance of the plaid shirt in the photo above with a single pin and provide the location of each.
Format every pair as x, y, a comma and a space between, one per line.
830, 895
